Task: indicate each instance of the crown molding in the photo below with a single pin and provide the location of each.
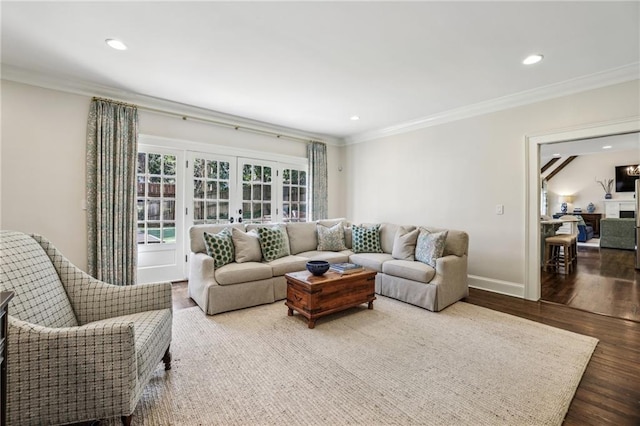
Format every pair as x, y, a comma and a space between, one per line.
556, 90
159, 105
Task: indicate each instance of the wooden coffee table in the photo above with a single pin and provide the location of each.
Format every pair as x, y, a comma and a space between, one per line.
314, 297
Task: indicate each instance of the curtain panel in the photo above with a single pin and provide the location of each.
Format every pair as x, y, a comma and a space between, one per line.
112, 143
317, 155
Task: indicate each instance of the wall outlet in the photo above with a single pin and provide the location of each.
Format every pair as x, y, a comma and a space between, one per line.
499, 209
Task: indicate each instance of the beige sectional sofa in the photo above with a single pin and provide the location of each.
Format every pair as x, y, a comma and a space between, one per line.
250, 283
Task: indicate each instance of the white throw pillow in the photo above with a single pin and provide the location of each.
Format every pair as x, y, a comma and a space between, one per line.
404, 243
247, 245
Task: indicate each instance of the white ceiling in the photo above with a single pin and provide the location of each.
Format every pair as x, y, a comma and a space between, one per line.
312, 65
625, 142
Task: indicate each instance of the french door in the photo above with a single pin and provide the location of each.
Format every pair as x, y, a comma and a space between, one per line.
160, 222
226, 189
178, 188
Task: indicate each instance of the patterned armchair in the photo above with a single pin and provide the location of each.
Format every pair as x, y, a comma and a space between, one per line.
79, 349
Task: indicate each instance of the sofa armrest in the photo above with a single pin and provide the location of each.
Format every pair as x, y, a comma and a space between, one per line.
68, 363
201, 277
451, 279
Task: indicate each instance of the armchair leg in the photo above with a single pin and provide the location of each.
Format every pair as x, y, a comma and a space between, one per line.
167, 359
126, 420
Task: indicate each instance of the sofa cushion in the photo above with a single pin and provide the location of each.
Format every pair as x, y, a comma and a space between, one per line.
246, 245
329, 256
366, 239
274, 242
409, 269
387, 236
287, 264
404, 244
220, 247
236, 273
302, 236
370, 260
430, 246
331, 239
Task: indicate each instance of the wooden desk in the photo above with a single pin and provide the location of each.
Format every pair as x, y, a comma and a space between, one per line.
5, 297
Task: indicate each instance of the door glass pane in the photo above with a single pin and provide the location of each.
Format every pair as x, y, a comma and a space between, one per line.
223, 211
257, 173
212, 169
212, 210
198, 168
267, 193
169, 233
224, 170
257, 192
198, 211
224, 191
198, 189
246, 211
169, 210
153, 233
155, 164
169, 165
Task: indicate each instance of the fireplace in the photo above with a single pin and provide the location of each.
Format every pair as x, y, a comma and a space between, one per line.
627, 214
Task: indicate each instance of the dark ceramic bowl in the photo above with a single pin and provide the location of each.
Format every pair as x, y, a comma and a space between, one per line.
317, 267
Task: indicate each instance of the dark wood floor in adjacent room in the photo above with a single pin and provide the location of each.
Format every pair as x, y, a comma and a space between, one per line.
605, 281
609, 393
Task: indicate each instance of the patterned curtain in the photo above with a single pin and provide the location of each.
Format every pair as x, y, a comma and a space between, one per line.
317, 154
112, 143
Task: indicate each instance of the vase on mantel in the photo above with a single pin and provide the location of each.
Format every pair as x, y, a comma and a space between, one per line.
607, 196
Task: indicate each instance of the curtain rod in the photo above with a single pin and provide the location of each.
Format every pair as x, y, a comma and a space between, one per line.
210, 121
228, 125
96, 98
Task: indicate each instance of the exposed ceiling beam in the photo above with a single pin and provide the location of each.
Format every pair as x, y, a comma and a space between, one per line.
561, 166
549, 164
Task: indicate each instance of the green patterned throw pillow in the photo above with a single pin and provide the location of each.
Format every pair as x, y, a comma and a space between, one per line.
220, 247
366, 239
274, 242
331, 239
430, 246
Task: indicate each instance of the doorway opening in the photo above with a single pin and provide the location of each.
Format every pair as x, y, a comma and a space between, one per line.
598, 269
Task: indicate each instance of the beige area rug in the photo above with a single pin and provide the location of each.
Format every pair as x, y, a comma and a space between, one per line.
396, 364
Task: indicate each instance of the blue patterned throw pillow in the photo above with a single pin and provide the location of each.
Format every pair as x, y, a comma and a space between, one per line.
331, 239
220, 247
274, 242
366, 239
430, 246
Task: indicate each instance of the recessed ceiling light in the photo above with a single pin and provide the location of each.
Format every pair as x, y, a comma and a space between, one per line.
116, 44
532, 59
557, 155
354, 118
606, 147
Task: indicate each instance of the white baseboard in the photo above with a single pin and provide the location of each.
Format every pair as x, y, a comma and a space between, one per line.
496, 286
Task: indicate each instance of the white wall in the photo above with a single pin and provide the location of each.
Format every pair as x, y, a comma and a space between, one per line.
43, 161
578, 179
453, 175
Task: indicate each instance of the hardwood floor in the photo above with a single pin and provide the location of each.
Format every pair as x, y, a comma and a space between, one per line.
609, 393
605, 282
